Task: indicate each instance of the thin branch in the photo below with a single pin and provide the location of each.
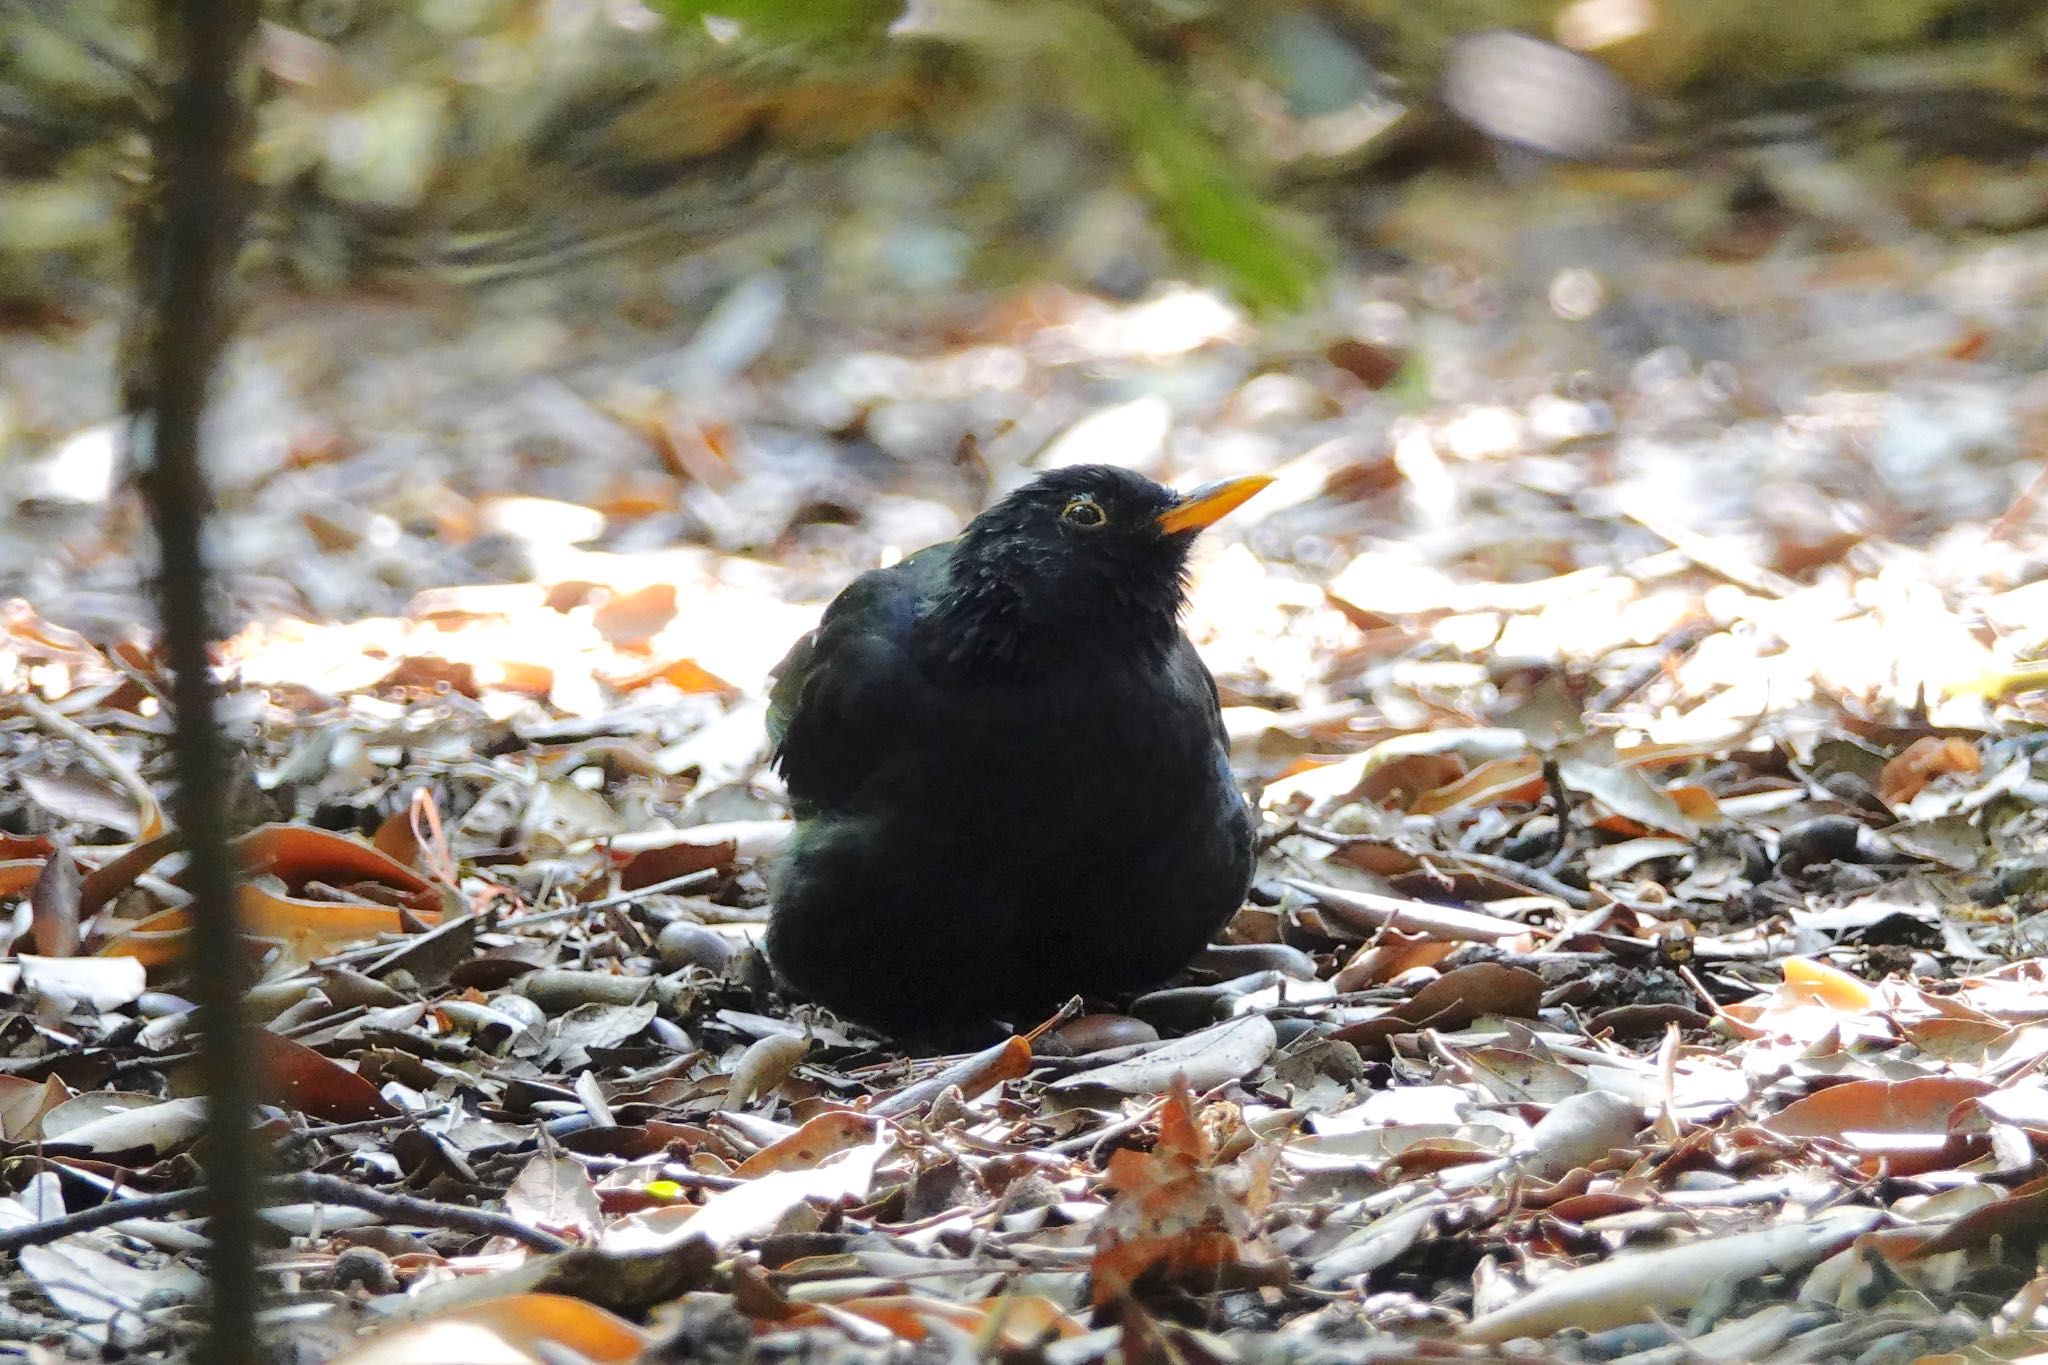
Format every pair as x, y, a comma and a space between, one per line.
2022, 507
1506, 869
302, 1187
186, 257
1553, 778
689, 881
94, 748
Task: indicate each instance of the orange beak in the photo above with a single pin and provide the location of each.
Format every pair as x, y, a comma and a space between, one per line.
1208, 504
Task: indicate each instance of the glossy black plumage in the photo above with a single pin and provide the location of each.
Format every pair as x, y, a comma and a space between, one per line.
1008, 767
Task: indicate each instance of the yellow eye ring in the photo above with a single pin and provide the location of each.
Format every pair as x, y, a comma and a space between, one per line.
1084, 512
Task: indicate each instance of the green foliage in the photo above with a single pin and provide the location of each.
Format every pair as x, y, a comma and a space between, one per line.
1202, 193
817, 24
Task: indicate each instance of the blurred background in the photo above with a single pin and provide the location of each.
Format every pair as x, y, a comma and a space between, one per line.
735, 300
1656, 393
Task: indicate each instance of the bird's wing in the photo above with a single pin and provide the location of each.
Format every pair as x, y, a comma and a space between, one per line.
845, 688
1192, 677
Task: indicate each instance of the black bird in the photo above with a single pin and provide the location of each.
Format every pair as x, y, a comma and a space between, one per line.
1008, 766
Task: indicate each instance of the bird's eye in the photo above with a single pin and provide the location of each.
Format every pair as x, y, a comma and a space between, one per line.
1084, 511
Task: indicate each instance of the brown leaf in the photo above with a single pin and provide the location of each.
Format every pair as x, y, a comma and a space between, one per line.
298, 854
1496, 782
553, 1191
53, 905
1371, 365
685, 675
1387, 956
110, 879
37, 639
631, 620
2021, 1217
300, 1079
1924, 760
825, 1135
268, 914
23, 1104
678, 859
1900, 1127
395, 839
1169, 1215
20, 846
517, 1327
1008, 1060
1451, 1001
1918, 1106
19, 874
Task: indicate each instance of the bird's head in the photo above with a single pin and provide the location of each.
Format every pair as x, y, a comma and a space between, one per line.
1083, 558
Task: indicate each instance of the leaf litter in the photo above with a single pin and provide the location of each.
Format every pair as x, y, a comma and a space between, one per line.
1644, 963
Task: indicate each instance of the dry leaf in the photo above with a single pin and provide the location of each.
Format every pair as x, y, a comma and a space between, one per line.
1924, 760
1168, 1215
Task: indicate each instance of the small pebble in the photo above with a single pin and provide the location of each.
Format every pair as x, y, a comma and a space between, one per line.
684, 944
1099, 1032
1822, 839
364, 1268
1240, 959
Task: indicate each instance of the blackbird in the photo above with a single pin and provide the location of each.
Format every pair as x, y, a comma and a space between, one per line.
1008, 766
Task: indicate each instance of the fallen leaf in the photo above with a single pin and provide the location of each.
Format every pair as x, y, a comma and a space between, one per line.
1168, 1214
54, 907
519, 1329
826, 1135
553, 1191
1373, 912
1634, 1287
1227, 1052
755, 1208
97, 983
1924, 760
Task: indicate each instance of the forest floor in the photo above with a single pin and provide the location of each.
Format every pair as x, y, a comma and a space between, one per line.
1632, 664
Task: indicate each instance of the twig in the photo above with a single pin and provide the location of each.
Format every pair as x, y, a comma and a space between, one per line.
1093, 1139
157, 1061
1533, 878
1714, 558
95, 748
405, 1208
689, 881
99, 1216
185, 266
1059, 1017
1507, 869
303, 1187
1553, 778
1677, 644
314, 1134
2022, 506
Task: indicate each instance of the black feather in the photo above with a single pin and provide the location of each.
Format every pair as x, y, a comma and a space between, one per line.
1009, 771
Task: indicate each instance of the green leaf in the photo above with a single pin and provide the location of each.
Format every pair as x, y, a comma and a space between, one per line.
1201, 193
811, 23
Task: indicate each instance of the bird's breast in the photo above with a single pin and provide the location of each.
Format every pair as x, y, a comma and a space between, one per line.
1070, 753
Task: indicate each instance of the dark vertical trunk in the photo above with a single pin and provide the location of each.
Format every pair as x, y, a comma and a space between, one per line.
185, 259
